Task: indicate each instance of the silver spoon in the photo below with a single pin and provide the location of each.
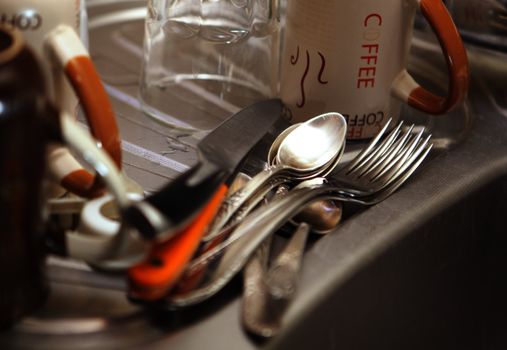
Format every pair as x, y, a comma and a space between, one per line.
309, 147
323, 137
322, 214
273, 150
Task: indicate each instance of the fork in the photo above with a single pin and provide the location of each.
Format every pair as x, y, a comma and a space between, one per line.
381, 163
370, 177
374, 168
354, 182
237, 206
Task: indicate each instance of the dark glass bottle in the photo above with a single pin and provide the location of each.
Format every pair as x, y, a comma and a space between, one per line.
24, 134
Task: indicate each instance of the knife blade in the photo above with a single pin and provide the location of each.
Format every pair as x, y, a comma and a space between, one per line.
220, 153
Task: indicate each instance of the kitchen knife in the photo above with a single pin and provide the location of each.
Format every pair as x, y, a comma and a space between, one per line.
220, 153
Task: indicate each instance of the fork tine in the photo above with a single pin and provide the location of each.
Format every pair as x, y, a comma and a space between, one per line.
411, 152
401, 157
376, 151
388, 156
366, 151
407, 160
387, 191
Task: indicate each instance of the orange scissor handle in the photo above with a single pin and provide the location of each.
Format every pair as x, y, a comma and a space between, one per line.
153, 278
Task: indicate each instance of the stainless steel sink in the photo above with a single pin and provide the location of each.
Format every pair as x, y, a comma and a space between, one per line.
426, 269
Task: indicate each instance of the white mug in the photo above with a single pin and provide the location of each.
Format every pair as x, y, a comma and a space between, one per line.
95, 238
51, 30
351, 56
100, 237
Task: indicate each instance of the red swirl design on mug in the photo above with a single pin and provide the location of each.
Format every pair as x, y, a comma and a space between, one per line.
302, 82
322, 67
294, 59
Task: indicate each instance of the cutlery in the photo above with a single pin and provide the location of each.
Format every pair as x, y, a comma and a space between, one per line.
263, 222
326, 133
372, 151
195, 195
220, 153
268, 291
294, 161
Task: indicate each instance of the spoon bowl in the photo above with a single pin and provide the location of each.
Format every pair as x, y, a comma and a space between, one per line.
273, 150
323, 216
313, 144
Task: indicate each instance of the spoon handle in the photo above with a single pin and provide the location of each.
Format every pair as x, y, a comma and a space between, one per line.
251, 194
283, 273
267, 293
210, 250
254, 306
248, 236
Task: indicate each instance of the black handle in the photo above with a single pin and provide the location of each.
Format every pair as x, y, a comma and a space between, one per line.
179, 201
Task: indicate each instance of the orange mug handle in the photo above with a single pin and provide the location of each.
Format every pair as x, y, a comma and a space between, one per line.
456, 59
67, 50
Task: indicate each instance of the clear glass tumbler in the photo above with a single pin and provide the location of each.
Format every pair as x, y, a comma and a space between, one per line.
206, 59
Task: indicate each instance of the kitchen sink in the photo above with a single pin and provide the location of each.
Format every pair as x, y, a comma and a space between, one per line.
425, 269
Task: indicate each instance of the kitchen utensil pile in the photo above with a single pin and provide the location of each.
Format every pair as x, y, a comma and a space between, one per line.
206, 225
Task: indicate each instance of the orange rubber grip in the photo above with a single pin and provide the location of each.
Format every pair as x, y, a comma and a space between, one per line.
153, 278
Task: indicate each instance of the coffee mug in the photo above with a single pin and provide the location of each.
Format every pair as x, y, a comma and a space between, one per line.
351, 57
95, 238
50, 29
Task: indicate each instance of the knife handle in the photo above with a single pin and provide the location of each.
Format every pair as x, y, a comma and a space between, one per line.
152, 279
179, 202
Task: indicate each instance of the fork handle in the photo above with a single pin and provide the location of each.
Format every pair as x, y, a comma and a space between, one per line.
251, 194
